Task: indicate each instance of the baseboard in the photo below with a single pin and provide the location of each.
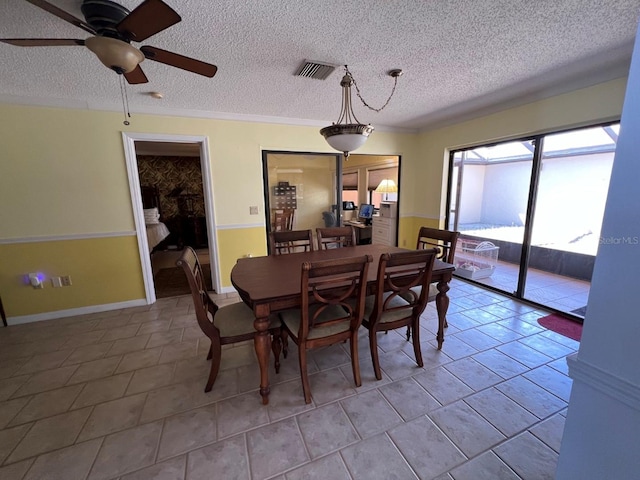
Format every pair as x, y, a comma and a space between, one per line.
38, 317
228, 290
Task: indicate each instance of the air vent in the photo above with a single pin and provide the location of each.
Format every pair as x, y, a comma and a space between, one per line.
316, 70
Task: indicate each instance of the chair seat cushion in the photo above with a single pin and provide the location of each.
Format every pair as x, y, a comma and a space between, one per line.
237, 319
433, 291
291, 318
387, 316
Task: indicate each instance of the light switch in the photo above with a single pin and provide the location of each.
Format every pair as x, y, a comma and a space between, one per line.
253, 210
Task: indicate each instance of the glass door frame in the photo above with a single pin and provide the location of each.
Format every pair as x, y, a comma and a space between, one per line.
538, 143
265, 182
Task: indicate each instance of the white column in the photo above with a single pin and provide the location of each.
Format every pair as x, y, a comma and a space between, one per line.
602, 432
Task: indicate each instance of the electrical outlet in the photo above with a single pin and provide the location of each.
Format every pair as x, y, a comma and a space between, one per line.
56, 282
253, 210
66, 280
36, 279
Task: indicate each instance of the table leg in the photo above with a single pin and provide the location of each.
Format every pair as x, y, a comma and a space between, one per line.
262, 344
2, 314
442, 305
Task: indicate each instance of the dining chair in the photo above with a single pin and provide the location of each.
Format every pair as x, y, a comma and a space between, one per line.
445, 242
332, 305
291, 242
223, 325
336, 237
283, 220
396, 302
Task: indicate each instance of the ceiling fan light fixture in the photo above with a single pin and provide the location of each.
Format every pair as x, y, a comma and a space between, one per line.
115, 54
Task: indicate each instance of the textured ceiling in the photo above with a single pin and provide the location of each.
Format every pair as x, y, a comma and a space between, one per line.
460, 58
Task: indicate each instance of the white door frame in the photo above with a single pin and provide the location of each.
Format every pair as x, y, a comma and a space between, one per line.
128, 140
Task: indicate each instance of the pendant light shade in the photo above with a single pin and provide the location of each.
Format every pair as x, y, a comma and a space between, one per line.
346, 137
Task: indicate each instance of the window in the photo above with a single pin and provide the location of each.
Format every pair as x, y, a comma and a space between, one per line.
350, 187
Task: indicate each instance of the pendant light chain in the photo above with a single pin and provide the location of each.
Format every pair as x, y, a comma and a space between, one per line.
348, 134
395, 78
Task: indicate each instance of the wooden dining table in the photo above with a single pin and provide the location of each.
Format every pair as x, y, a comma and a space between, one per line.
272, 284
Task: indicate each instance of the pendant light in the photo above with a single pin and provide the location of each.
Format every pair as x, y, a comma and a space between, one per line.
348, 133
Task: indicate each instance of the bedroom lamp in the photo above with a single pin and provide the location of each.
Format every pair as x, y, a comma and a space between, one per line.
348, 134
386, 186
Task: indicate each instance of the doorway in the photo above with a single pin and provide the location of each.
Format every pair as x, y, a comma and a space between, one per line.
171, 192
315, 190
302, 186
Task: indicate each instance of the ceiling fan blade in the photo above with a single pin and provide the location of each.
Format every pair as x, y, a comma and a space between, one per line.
42, 42
179, 61
149, 18
58, 12
136, 76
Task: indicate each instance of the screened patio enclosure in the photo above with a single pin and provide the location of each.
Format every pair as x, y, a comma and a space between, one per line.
530, 212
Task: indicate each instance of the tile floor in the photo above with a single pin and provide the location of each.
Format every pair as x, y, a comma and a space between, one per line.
555, 291
119, 395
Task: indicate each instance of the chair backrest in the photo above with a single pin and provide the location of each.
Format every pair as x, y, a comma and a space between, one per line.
330, 219
283, 220
201, 299
291, 242
330, 283
398, 275
443, 240
335, 237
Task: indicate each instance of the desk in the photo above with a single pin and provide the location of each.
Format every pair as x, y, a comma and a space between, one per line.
271, 284
363, 232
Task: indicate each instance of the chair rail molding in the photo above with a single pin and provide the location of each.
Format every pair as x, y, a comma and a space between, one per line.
605, 382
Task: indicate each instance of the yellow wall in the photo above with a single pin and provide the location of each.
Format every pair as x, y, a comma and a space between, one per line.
239, 243
102, 270
63, 172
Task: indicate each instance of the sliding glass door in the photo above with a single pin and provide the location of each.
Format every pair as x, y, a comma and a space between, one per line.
572, 186
530, 212
491, 198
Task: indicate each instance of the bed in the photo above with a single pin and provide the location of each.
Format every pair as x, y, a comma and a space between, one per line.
156, 230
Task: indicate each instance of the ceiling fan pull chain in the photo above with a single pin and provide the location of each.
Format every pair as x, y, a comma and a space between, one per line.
126, 98
125, 101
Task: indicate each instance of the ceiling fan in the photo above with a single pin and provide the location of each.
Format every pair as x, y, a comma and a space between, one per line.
114, 28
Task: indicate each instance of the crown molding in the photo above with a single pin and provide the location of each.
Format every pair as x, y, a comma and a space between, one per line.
73, 104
